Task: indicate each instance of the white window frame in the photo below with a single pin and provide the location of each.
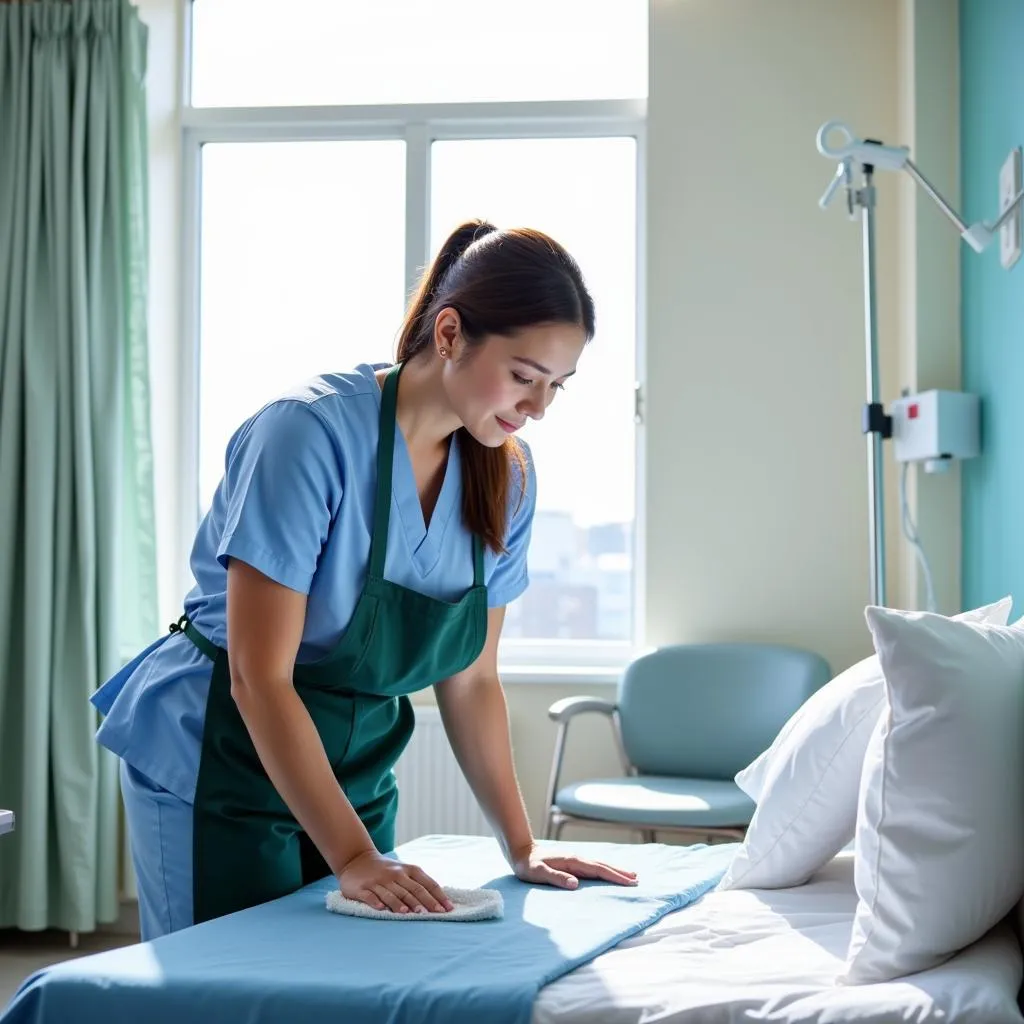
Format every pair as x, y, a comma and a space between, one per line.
418, 125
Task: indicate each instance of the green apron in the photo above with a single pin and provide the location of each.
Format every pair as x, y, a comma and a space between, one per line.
247, 847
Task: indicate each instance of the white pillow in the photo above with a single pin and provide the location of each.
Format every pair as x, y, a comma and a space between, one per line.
806, 783
939, 856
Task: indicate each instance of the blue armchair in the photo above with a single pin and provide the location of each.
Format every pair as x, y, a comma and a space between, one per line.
686, 719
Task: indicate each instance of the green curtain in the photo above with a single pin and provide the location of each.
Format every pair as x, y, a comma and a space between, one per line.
77, 538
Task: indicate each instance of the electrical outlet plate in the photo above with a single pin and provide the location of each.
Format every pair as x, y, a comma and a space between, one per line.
1010, 232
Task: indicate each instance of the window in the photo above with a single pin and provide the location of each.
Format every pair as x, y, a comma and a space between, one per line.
251, 53
282, 283
307, 225
580, 555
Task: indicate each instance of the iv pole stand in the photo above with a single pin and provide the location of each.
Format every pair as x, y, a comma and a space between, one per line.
876, 424
869, 155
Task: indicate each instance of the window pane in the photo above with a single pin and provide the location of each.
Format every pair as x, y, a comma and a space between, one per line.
310, 52
582, 192
302, 272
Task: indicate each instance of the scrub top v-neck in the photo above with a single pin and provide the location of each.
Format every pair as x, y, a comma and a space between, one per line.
296, 502
425, 540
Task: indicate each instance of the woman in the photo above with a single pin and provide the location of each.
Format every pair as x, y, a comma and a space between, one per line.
362, 545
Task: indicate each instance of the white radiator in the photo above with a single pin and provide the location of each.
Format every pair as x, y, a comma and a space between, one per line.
433, 795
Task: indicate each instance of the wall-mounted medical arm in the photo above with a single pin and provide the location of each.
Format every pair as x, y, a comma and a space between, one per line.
868, 153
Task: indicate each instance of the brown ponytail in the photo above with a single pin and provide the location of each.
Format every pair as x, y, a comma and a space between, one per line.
500, 282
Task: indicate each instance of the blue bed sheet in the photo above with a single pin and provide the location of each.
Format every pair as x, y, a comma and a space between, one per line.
293, 961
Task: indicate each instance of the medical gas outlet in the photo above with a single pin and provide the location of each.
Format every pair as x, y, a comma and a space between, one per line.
935, 427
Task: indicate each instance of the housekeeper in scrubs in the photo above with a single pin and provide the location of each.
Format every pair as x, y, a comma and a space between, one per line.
367, 534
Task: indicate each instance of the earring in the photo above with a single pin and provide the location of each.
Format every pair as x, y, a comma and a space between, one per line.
443, 352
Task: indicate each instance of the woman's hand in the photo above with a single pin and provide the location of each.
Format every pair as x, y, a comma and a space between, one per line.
383, 883
565, 872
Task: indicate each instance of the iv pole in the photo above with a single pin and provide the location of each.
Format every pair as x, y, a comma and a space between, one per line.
869, 155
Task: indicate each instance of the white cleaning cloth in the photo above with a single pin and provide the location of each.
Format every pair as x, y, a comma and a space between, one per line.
467, 905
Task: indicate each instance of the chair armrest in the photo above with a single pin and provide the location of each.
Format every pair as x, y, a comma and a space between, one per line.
562, 712
564, 709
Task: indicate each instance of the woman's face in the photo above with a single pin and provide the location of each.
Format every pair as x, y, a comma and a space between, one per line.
496, 386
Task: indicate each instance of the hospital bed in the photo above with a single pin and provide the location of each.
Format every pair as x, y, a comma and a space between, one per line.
692, 956
677, 948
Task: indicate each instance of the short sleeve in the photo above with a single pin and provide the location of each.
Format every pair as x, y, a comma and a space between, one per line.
282, 488
511, 577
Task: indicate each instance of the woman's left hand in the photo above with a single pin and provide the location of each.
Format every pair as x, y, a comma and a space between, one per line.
565, 872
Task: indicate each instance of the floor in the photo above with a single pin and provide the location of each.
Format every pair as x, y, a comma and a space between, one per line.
24, 953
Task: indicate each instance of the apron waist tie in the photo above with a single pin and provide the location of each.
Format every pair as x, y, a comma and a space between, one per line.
184, 626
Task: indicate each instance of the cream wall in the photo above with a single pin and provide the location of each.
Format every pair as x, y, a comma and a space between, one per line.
756, 508
756, 351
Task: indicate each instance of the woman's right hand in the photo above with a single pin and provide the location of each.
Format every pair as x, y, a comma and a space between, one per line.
384, 883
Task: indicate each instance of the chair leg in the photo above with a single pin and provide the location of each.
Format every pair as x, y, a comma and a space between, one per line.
647, 835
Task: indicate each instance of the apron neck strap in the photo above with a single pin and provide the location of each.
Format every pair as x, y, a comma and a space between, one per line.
478, 561
385, 471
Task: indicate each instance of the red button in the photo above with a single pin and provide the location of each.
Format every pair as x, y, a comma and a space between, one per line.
912, 412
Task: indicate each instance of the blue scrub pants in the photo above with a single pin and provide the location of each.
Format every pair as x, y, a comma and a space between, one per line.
160, 835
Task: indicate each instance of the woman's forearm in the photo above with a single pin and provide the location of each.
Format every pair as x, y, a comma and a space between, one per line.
293, 755
475, 717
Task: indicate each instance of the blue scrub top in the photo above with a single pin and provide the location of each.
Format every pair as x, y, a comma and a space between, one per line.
296, 502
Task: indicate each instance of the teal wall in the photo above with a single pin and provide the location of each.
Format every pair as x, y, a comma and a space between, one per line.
991, 123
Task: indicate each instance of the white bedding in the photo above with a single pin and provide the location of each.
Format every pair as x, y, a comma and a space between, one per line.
771, 956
